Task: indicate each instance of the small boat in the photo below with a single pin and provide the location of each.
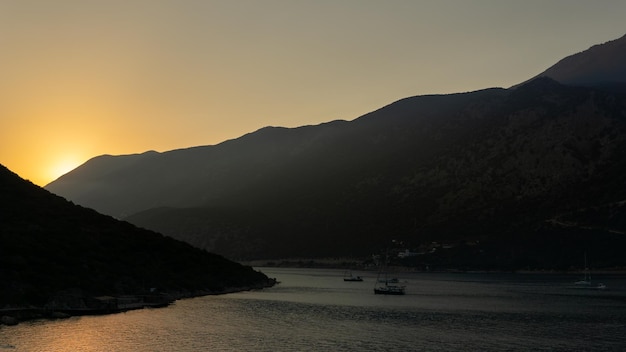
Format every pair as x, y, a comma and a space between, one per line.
385, 285
350, 277
585, 281
388, 289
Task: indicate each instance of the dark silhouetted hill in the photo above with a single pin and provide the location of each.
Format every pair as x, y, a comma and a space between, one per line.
49, 245
527, 177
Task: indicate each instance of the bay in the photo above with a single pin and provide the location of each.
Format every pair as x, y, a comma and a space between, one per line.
315, 310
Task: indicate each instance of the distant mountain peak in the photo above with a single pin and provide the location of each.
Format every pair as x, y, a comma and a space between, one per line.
601, 65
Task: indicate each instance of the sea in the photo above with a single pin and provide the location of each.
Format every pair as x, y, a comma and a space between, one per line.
315, 310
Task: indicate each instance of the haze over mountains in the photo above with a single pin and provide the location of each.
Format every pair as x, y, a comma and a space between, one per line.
530, 176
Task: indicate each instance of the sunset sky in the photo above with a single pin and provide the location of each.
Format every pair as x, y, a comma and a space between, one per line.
84, 78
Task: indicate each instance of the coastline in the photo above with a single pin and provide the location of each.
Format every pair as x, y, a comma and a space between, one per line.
361, 264
67, 305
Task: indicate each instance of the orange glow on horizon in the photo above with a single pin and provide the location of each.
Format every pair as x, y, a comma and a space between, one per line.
86, 78
61, 167
46, 168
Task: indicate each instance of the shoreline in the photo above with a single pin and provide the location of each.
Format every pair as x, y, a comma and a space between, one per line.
105, 305
358, 264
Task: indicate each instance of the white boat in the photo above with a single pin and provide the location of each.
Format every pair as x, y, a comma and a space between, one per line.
350, 277
389, 290
585, 281
385, 285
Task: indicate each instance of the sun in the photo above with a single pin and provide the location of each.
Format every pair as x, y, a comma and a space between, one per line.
61, 167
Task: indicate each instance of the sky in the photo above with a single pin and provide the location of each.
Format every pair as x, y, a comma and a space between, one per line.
81, 78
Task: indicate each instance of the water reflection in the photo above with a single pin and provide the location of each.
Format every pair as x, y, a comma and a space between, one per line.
313, 310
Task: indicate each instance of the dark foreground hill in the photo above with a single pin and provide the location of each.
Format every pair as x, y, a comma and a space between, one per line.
50, 247
527, 177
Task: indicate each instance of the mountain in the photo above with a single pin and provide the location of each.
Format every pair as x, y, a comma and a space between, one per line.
526, 177
601, 66
49, 246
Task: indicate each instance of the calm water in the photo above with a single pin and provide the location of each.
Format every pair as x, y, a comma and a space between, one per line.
315, 310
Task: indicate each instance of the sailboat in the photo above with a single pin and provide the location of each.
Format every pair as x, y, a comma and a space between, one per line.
385, 285
350, 277
389, 289
585, 282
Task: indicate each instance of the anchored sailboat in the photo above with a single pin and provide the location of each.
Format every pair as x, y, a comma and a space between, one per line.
350, 277
385, 285
586, 282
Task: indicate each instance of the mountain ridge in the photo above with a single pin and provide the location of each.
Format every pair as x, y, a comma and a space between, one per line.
600, 66
493, 165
